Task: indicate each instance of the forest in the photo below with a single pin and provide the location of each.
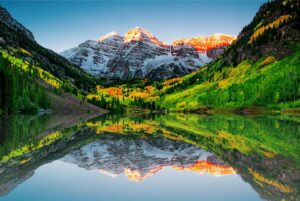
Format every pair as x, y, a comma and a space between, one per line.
19, 90
245, 76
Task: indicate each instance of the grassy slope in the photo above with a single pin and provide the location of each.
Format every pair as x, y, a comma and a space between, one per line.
245, 85
261, 68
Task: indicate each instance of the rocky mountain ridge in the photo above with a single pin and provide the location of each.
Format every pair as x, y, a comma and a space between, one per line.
8, 20
20, 42
139, 159
139, 54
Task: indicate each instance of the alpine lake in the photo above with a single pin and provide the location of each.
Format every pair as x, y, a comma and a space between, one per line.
150, 157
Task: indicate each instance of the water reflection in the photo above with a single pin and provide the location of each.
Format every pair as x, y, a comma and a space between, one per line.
138, 158
263, 150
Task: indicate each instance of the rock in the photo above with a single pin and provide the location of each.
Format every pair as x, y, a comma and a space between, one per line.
213, 45
7, 19
139, 54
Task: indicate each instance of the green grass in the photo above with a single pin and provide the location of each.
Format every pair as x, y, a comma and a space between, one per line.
273, 85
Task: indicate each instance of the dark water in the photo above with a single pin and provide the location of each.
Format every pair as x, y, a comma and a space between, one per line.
150, 157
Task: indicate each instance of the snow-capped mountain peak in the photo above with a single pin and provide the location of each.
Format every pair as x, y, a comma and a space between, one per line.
139, 54
140, 34
139, 159
203, 44
108, 36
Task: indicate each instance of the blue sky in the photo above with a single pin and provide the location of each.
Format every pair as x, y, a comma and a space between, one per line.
60, 25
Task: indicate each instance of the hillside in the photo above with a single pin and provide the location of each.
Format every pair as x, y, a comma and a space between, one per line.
261, 68
35, 79
19, 42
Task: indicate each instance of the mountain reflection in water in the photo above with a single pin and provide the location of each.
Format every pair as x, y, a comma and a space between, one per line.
262, 150
140, 158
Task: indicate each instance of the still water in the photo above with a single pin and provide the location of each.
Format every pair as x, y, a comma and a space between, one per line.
150, 157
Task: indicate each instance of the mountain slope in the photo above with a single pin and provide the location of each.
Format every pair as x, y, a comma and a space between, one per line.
213, 45
33, 78
19, 42
261, 68
139, 54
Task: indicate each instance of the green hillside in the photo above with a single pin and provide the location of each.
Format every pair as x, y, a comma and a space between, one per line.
27, 88
268, 82
16, 41
34, 79
19, 91
261, 68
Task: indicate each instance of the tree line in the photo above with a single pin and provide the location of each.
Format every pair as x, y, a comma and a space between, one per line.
19, 90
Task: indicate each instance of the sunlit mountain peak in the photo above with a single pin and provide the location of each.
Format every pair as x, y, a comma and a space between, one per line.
204, 166
201, 166
140, 34
219, 37
137, 176
204, 44
109, 35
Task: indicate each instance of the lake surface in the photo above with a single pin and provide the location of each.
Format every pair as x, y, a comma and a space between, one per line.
150, 157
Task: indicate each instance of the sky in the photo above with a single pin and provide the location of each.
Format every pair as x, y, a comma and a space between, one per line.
60, 25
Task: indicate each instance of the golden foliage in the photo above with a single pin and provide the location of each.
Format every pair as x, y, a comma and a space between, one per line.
22, 162
283, 188
172, 81
275, 24
114, 91
268, 60
147, 93
147, 127
25, 52
223, 83
31, 147
138, 94
208, 167
115, 128
150, 89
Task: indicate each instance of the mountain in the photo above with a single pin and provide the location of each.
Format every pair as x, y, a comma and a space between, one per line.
273, 31
34, 79
259, 69
7, 19
252, 147
139, 54
139, 159
213, 45
20, 42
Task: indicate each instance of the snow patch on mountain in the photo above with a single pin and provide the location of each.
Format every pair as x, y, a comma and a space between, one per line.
139, 54
114, 156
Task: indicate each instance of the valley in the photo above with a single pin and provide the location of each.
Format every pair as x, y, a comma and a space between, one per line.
126, 116
200, 74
